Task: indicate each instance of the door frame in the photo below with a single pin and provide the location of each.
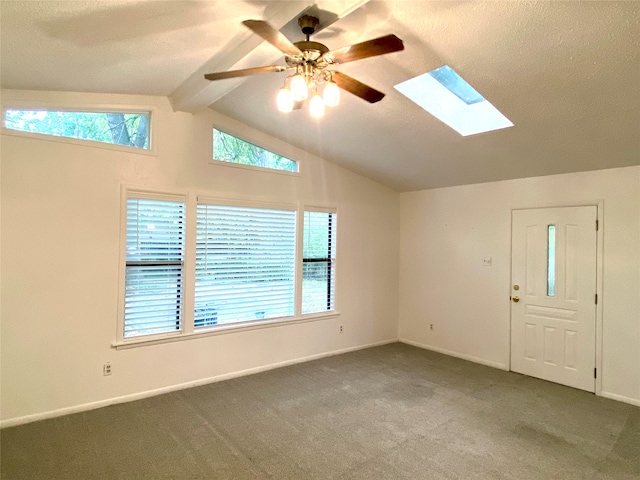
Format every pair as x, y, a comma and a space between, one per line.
599, 204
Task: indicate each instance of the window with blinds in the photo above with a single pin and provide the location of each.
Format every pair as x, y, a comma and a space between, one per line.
154, 266
318, 262
245, 264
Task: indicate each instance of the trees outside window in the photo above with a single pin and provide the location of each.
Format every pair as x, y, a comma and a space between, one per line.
227, 148
117, 128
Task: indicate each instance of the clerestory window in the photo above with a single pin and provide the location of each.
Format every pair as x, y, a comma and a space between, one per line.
130, 129
227, 148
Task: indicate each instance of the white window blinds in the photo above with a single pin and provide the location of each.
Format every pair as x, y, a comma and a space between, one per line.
154, 266
245, 264
318, 262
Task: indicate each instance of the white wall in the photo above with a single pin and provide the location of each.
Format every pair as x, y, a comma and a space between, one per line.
445, 233
59, 263
60, 260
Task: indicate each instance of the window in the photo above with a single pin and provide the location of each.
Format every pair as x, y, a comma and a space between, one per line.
154, 266
318, 262
448, 97
227, 148
117, 128
551, 261
245, 264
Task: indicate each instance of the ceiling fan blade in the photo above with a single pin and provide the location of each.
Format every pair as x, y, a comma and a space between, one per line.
245, 72
356, 87
370, 48
273, 36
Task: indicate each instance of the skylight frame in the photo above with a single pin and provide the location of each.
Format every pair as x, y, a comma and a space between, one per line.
441, 92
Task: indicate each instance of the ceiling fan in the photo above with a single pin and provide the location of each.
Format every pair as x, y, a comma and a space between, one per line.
311, 62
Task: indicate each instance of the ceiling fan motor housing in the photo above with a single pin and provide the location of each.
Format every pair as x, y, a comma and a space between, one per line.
311, 51
308, 24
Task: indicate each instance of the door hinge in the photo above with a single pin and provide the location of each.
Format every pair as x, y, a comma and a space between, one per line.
595, 373
597, 224
596, 298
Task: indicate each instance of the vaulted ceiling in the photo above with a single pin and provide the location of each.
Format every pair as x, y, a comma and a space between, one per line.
567, 74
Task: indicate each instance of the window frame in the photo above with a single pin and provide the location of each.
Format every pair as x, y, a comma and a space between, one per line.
259, 144
207, 200
126, 194
332, 260
188, 331
83, 108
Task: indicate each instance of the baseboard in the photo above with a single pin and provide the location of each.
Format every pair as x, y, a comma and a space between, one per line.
451, 353
11, 422
621, 398
501, 366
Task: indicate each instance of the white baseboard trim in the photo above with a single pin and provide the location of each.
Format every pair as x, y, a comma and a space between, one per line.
621, 398
11, 422
501, 366
451, 353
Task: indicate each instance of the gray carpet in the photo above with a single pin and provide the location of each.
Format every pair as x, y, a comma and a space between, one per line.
391, 412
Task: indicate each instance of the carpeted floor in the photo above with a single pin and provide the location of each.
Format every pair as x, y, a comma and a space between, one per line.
390, 412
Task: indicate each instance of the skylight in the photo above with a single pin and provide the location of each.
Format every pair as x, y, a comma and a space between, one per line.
448, 97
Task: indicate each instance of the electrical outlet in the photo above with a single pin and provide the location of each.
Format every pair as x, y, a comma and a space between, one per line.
431, 326
341, 328
106, 369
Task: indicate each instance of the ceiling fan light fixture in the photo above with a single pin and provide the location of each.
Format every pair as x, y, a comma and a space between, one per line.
331, 94
284, 100
299, 88
309, 59
316, 106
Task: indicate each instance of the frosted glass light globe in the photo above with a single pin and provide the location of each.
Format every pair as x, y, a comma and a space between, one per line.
285, 100
331, 94
299, 88
316, 106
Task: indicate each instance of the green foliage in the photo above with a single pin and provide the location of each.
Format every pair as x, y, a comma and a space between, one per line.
228, 148
318, 228
130, 129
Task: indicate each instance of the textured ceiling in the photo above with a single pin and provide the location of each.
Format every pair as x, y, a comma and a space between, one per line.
566, 73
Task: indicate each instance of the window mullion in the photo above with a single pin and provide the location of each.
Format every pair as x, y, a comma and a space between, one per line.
190, 265
299, 261
329, 250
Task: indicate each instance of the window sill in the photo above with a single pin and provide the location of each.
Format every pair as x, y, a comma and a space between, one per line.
79, 141
222, 330
253, 168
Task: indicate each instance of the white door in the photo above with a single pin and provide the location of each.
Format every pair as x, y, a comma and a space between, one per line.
553, 293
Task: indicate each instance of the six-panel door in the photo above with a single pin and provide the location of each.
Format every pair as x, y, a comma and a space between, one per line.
553, 294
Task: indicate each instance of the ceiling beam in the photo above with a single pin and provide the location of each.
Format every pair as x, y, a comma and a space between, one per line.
243, 51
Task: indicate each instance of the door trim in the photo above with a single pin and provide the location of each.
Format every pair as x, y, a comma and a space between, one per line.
599, 204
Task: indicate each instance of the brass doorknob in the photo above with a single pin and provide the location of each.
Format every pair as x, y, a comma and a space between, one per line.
516, 299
